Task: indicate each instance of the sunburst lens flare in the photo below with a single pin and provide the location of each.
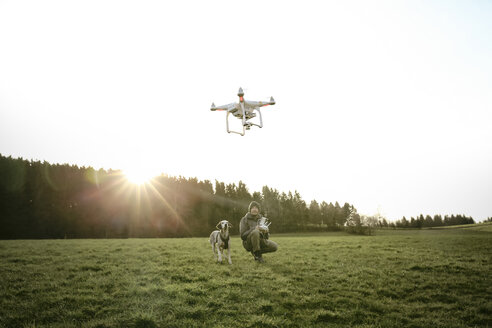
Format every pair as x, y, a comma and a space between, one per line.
139, 176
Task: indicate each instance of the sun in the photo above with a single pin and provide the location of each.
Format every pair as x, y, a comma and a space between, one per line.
139, 176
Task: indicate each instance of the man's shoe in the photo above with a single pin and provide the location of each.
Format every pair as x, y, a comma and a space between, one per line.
258, 257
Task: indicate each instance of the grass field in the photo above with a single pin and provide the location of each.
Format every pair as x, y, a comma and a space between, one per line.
418, 278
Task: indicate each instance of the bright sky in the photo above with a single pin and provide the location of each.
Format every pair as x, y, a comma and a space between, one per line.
383, 104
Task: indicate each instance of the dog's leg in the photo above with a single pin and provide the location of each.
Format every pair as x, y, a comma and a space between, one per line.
212, 243
220, 254
213, 251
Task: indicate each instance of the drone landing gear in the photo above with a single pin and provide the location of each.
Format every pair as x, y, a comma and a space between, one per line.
230, 131
246, 125
250, 124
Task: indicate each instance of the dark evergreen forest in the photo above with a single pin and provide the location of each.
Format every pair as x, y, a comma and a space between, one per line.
43, 200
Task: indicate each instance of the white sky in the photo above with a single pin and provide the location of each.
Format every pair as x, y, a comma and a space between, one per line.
382, 104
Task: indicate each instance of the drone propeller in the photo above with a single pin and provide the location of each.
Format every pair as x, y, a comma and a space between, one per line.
213, 108
271, 102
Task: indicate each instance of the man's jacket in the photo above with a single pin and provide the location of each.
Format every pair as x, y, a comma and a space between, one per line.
248, 223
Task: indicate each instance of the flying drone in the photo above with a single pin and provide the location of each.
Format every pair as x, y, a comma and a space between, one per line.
243, 110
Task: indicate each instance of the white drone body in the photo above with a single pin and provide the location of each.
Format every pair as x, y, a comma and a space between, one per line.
243, 110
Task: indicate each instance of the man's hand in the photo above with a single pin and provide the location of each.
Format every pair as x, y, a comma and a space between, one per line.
261, 230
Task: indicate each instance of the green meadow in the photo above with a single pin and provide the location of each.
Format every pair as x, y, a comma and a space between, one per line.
395, 278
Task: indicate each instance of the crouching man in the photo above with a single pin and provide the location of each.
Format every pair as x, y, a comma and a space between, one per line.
254, 240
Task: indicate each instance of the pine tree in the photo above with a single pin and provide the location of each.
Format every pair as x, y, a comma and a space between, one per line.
314, 212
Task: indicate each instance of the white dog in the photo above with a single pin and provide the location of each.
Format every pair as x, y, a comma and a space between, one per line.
220, 240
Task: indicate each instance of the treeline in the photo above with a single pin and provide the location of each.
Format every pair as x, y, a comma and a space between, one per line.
365, 225
425, 222
43, 200
435, 221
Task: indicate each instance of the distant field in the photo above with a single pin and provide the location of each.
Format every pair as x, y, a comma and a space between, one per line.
418, 278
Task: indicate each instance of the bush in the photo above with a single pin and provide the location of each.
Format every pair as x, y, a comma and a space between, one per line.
359, 229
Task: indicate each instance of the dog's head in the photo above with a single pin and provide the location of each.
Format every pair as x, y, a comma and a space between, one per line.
224, 225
